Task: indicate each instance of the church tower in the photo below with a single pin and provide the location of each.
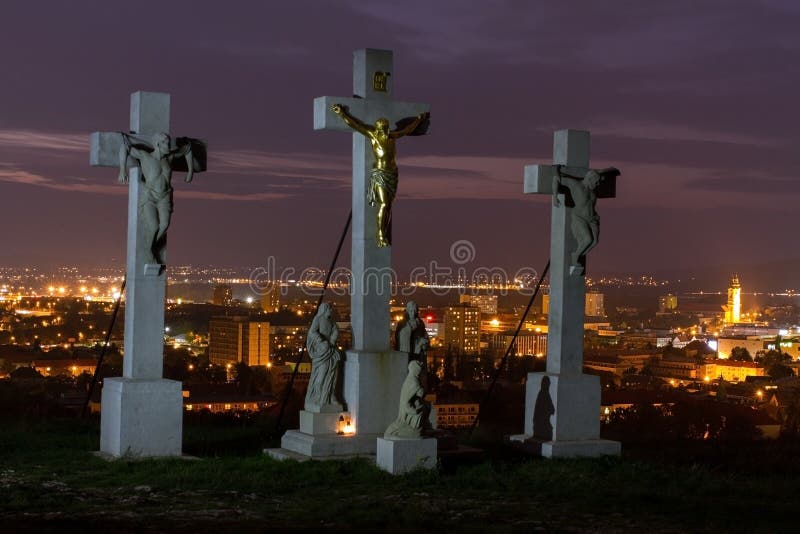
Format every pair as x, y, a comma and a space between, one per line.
733, 310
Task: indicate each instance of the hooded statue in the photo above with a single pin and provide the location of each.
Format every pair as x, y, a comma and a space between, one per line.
325, 358
412, 418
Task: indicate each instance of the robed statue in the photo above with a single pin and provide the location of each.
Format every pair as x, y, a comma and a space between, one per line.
413, 418
325, 357
411, 335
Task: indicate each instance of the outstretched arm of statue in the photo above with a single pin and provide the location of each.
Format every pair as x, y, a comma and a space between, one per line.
350, 120
411, 126
127, 150
124, 150
185, 151
334, 335
556, 183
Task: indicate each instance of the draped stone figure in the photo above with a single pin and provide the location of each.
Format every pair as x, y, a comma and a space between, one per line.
383, 177
585, 223
155, 201
413, 414
325, 358
411, 335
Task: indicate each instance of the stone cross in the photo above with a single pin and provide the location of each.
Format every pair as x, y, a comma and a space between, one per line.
562, 405
370, 265
141, 412
146, 283
567, 291
373, 373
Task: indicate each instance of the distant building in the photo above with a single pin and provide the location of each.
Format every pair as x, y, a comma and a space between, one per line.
238, 339
725, 345
220, 398
594, 306
546, 304
527, 343
223, 295
667, 303
733, 371
271, 300
486, 303
456, 414
47, 367
462, 329
733, 310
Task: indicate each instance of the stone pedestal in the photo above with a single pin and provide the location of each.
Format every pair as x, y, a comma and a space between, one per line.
141, 417
399, 456
562, 417
372, 382
317, 438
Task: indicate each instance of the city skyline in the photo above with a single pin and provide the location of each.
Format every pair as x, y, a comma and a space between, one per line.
692, 113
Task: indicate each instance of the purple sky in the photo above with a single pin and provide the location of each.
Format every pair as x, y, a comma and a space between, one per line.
695, 101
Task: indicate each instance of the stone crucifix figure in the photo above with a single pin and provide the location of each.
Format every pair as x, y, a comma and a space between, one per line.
584, 221
383, 178
155, 197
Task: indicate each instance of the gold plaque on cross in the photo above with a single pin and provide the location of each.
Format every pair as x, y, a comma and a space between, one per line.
379, 81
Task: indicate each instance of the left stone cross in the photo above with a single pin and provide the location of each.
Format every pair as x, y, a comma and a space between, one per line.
141, 412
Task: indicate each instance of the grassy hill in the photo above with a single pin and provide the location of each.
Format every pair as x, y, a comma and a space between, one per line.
49, 481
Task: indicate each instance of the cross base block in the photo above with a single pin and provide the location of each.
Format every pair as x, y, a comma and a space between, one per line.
141, 418
398, 456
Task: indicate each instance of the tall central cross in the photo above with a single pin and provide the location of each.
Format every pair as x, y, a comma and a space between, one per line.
142, 412
370, 264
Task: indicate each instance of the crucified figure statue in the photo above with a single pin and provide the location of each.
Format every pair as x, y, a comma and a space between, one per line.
155, 199
585, 223
383, 179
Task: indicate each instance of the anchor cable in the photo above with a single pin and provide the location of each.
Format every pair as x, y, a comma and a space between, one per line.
500, 367
290, 383
103, 350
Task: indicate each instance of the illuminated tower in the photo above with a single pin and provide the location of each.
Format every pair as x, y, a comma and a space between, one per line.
734, 308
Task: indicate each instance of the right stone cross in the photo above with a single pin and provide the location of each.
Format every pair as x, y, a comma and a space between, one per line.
574, 230
562, 406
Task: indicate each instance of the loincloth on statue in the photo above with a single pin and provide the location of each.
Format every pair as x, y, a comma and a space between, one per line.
593, 222
382, 178
159, 199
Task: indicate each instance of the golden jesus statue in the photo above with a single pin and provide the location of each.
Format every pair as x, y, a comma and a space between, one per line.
383, 179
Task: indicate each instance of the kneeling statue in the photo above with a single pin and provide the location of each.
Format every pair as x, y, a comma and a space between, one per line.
413, 417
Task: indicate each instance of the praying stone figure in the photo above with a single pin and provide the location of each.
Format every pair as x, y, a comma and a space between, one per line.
585, 223
155, 201
413, 418
411, 335
325, 358
383, 179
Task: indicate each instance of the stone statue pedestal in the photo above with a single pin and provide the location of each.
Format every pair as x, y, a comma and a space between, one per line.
371, 386
131, 426
317, 437
372, 382
398, 456
562, 419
